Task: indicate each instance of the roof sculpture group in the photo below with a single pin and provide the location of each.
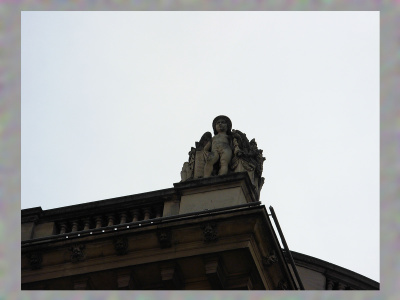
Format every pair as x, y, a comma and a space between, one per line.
227, 151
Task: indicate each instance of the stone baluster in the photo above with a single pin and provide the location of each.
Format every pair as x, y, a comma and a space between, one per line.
74, 226
147, 213
110, 220
87, 224
99, 220
123, 218
63, 228
135, 214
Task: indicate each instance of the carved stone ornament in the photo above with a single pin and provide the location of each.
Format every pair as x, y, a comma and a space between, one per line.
164, 238
210, 232
77, 252
282, 285
228, 151
270, 260
121, 245
35, 260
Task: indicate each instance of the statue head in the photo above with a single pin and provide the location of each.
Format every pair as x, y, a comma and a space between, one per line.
226, 120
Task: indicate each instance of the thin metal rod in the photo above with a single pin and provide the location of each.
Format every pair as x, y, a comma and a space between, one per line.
286, 247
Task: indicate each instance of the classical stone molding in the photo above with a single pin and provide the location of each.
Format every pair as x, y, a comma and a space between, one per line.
121, 245
35, 260
77, 252
164, 238
210, 232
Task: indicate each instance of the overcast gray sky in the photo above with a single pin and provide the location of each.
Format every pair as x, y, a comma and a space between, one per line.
113, 101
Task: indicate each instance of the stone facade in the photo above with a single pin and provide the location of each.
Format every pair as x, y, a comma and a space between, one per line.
156, 240
161, 240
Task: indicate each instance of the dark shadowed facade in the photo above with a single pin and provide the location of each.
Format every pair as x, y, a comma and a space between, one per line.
208, 232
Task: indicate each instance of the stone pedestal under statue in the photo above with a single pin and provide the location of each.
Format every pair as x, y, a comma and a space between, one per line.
215, 192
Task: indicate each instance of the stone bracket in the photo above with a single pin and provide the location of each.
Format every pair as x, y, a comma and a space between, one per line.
171, 276
215, 272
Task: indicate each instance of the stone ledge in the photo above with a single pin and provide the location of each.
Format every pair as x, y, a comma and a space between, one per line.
217, 181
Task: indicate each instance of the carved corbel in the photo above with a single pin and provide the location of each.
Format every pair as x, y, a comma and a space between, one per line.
164, 238
77, 252
121, 245
270, 260
210, 232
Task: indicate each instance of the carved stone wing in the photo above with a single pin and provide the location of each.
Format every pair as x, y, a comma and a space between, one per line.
242, 139
205, 138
